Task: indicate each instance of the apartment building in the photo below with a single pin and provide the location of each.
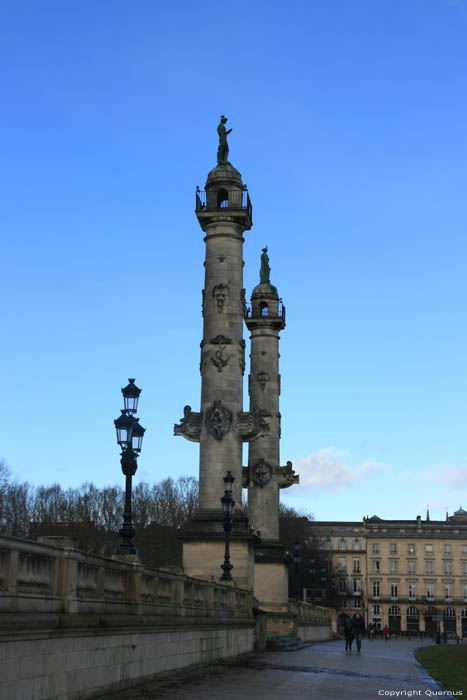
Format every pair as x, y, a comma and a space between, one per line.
408, 574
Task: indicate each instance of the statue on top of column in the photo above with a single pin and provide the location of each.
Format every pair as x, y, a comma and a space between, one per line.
223, 150
265, 270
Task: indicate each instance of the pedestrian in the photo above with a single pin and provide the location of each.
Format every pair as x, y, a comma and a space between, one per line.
371, 630
348, 634
359, 628
386, 633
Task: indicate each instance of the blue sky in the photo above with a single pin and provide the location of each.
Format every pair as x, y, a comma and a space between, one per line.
349, 127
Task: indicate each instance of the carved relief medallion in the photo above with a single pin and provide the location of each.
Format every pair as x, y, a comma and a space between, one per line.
221, 340
218, 420
220, 293
262, 378
220, 360
261, 473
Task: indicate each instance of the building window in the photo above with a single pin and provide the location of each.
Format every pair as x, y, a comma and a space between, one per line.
376, 610
393, 566
376, 589
411, 548
357, 603
464, 549
357, 585
344, 603
448, 567
447, 549
393, 548
430, 591
411, 567
376, 564
393, 590
464, 568
356, 544
465, 591
428, 549
429, 567
342, 544
343, 564
448, 591
412, 590
356, 566
375, 548
342, 585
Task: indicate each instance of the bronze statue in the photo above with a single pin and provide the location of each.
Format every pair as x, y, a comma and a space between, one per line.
223, 150
265, 270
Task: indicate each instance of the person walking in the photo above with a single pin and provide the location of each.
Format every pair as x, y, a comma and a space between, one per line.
386, 633
371, 631
359, 628
348, 634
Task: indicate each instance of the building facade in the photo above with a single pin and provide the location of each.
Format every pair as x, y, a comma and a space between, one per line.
408, 574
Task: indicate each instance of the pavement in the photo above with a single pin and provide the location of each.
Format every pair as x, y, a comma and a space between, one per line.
321, 671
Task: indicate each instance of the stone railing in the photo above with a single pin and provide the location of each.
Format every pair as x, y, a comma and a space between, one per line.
309, 613
43, 578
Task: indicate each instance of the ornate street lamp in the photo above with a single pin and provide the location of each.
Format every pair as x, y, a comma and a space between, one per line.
228, 507
296, 561
130, 438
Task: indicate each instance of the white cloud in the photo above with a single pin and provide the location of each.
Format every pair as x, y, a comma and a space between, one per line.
329, 468
448, 476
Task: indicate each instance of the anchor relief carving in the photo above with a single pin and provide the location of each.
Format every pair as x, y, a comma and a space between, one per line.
219, 360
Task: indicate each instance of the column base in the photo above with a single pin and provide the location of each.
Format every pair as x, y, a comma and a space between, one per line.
271, 576
204, 547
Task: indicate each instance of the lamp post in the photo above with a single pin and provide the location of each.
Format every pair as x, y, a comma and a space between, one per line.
228, 507
129, 437
296, 561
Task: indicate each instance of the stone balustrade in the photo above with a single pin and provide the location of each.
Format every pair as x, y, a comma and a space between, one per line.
74, 625
42, 578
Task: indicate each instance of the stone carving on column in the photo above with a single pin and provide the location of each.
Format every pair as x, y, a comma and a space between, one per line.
220, 292
262, 378
220, 360
252, 424
241, 361
243, 300
201, 345
286, 476
189, 426
221, 340
261, 472
218, 420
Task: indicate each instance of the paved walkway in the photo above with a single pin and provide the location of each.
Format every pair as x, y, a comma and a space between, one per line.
319, 672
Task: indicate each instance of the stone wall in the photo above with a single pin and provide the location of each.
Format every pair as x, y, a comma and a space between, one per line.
74, 625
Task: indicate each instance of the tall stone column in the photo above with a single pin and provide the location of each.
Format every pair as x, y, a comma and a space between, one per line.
264, 476
224, 213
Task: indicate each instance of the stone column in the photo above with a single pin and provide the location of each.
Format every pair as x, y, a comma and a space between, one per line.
221, 426
264, 476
